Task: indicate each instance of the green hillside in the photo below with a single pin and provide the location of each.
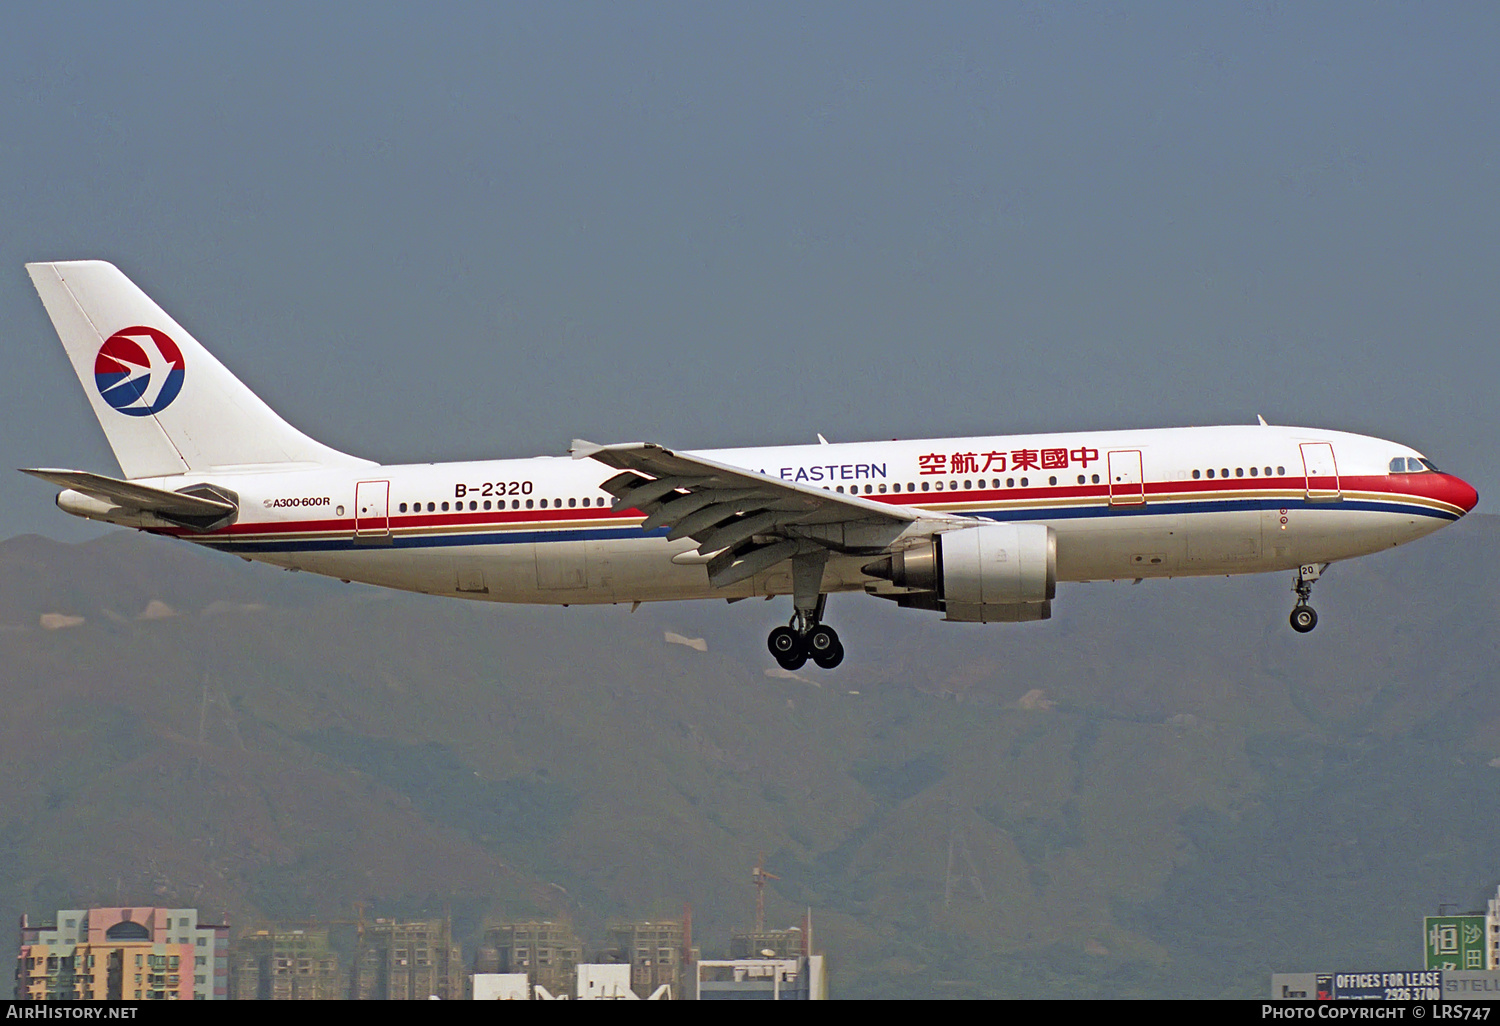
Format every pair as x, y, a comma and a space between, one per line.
1162, 790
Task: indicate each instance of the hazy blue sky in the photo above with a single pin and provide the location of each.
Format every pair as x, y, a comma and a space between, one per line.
435, 231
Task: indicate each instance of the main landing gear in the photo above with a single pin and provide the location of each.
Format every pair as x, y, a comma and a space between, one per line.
1304, 618
806, 636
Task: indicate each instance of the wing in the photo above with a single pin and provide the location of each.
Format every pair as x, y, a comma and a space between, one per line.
201, 508
746, 522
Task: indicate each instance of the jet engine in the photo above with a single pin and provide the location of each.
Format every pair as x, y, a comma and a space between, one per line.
989, 573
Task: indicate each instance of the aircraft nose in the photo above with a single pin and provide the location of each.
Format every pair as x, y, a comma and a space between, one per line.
1465, 494
1458, 492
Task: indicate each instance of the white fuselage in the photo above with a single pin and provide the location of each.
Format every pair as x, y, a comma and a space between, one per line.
1124, 504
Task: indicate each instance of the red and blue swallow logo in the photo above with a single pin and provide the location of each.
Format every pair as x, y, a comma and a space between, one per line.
139, 371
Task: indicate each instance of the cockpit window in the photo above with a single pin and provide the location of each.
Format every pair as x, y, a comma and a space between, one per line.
1413, 465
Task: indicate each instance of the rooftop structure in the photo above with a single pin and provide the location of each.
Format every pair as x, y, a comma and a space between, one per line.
765, 979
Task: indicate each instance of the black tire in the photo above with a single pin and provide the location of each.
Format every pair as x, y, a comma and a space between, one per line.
783, 643
795, 661
831, 658
821, 641
1304, 619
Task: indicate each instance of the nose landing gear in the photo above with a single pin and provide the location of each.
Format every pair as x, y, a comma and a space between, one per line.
1304, 618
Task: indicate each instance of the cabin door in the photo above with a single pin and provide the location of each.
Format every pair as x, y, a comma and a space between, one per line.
1127, 484
1322, 472
372, 520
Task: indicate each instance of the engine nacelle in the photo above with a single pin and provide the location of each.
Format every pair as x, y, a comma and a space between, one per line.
991, 573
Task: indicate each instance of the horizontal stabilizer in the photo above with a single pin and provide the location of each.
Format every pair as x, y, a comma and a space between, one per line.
133, 495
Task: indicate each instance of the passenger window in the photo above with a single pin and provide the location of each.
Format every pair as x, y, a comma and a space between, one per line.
486, 503
544, 504
1096, 479
1268, 471
1197, 474
1281, 472
1210, 471
1024, 482
515, 503
431, 507
882, 489
403, 507
925, 485
445, 507
473, 504
968, 486
1052, 480
572, 503
840, 489
1239, 471
1254, 471
1010, 482
938, 485
896, 487
1224, 472
953, 486
1080, 479
529, 502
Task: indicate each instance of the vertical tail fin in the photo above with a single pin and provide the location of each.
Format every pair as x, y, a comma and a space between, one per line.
166, 405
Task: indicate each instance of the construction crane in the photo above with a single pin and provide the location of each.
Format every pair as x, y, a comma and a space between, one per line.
759, 876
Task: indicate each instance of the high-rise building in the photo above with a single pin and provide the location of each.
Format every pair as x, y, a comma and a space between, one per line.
286, 964
547, 952
655, 952
407, 961
123, 954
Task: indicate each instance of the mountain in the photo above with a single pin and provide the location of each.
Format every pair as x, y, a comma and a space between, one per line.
1161, 791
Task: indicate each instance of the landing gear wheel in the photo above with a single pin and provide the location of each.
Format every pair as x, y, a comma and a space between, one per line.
824, 646
795, 660
784, 643
822, 639
1304, 619
828, 660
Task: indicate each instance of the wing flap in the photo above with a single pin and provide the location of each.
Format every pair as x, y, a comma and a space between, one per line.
751, 521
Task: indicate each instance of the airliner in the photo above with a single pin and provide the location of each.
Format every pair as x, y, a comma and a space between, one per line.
978, 529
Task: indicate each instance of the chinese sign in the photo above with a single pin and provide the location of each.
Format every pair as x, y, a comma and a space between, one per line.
1454, 942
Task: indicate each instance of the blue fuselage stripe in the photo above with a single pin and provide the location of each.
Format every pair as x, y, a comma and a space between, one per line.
1097, 511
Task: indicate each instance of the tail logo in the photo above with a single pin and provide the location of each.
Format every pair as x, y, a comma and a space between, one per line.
139, 371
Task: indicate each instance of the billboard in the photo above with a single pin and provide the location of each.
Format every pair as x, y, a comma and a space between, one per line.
1454, 942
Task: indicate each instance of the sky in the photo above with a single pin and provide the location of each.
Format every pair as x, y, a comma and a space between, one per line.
432, 232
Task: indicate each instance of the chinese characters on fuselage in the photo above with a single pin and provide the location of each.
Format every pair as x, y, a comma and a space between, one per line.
999, 462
